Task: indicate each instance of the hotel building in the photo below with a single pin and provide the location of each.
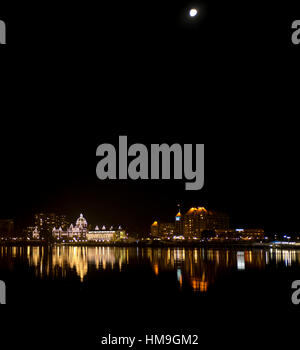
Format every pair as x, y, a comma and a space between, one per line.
191, 224
202, 223
197, 220
162, 229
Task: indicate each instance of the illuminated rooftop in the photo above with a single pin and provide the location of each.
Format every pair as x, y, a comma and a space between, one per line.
198, 210
81, 221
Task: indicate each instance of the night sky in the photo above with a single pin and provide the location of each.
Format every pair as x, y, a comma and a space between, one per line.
78, 76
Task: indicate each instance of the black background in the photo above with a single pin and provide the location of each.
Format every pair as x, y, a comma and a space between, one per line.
76, 75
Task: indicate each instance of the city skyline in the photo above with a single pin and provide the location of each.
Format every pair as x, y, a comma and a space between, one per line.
219, 260
196, 222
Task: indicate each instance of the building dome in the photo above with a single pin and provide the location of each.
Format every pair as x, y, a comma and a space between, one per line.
81, 221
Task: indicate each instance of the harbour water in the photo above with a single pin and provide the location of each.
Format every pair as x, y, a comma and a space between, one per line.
73, 294
89, 274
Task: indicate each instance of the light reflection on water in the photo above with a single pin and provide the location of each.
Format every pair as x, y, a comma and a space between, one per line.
197, 267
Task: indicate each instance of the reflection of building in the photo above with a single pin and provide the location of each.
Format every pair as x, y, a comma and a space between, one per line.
70, 258
197, 268
162, 229
6, 227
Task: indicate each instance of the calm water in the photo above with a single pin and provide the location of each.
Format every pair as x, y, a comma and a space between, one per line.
76, 293
85, 271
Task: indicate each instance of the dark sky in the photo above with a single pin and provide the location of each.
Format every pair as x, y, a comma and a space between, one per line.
79, 76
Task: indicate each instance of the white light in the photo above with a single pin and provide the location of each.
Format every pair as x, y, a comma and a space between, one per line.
193, 12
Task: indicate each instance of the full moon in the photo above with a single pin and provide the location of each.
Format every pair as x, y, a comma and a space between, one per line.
193, 12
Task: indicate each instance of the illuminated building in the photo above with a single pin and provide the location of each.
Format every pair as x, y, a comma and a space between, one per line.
106, 235
162, 229
197, 220
166, 229
47, 221
35, 233
179, 224
154, 229
78, 231
241, 233
81, 232
192, 224
250, 233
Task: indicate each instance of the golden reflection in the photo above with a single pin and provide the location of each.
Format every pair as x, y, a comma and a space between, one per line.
155, 268
195, 268
179, 277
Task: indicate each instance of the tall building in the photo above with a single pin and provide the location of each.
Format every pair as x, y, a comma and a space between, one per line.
162, 229
191, 224
47, 221
197, 220
154, 229
179, 224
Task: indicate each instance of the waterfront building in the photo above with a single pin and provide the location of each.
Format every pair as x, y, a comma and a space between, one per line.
35, 233
198, 220
241, 233
103, 234
154, 229
252, 233
166, 229
179, 224
80, 232
162, 229
196, 223
47, 221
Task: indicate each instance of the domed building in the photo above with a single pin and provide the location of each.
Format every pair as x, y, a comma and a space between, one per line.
81, 232
81, 221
